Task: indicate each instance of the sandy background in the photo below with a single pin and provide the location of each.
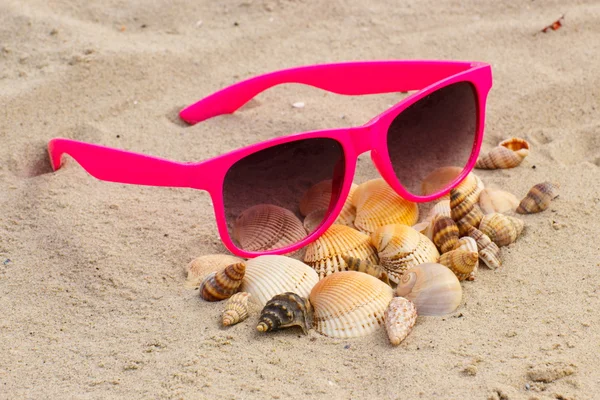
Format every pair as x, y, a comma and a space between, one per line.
92, 301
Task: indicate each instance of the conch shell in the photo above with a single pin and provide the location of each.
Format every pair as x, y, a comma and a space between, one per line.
508, 154
267, 227
222, 284
315, 203
356, 264
204, 265
444, 233
496, 200
286, 310
539, 197
433, 288
467, 243
349, 304
501, 229
489, 251
400, 317
461, 262
236, 309
464, 209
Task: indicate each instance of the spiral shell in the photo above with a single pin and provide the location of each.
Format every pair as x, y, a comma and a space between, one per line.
508, 154
204, 265
267, 276
400, 247
441, 208
467, 243
433, 288
496, 200
356, 264
489, 252
501, 229
236, 309
222, 284
539, 197
316, 202
444, 233
349, 304
325, 253
377, 204
400, 317
464, 209
286, 310
461, 262
267, 227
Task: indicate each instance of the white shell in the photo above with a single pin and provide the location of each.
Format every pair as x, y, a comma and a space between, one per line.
496, 200
400, 317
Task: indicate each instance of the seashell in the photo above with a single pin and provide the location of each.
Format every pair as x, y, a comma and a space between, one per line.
222, 284
440, 208
349, 304
508, 154
440, 178
461, 262
433, 288
538, 198
400, 316
501, 229
377, 204
236, 309
444, 233
267, 276
401, 247
489, 251
464, 209
469, 244
286, 310
496, 200
267, 227
356, 264
204, 265
318, 197
325, 253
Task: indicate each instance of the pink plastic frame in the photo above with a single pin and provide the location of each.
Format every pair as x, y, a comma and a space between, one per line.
351, 78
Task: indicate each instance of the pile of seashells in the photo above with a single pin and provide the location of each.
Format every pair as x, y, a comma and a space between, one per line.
377, 265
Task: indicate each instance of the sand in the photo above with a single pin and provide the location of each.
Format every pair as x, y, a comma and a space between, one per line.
92, 294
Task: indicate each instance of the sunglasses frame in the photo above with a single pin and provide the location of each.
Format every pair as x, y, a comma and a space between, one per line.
351, 78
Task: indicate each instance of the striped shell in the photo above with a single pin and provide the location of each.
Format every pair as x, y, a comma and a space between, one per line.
267, 276
325, 253
401, 247
539, 197
469, 244
204, 265
286, 310
464, 209
377, 204
400, 317
356, 264
461, 262
349, 304
222, 284
236, 309
508, 154
444, 233
501, 229
316, 202
441, 208
496, 200
267, 227
489, 252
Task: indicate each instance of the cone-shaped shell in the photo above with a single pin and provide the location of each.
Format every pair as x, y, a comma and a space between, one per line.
489, 252
286, 310
464, 209
204, 265
318, 197
377, 204
236, 309
496, 200
441, 208
325, 253
461, 262
508, 154
467, 243
222, 284
356, 264
433, 288
539, 197
267, 276
349, 304
267, 227
444, 233
400, 317
401, 247
501, 229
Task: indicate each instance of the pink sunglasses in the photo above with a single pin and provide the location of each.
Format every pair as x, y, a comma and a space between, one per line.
257, 191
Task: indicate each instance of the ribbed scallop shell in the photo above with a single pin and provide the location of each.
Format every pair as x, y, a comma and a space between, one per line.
400, 247
286, 310
400, 317
325, 253
489, 252
377, 204
349, 304
222, 284
508, 154
356, 264
501, 229
467, 243
444, 233
236, 309
267, 276
318, 197
538, 198
204, 265
464, 209
267, 227
496, 200
461, 262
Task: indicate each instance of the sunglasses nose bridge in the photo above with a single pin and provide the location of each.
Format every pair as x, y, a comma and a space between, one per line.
362, 138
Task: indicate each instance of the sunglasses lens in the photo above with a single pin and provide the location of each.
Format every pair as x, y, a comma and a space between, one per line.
266, 194
434, 138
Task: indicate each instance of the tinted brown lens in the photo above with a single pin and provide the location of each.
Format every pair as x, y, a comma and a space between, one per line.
431, 141
268, 194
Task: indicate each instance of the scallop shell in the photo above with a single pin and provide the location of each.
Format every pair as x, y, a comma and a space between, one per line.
236, 309
267, 227
286, 310
400, 317
469, 244
508, 154
433, 288
501, 229
489, 252
349, 304
461, 262
204, 265
318, 197
539, 197
496, 200
444, 233
325, 253
464, 209
377, 204
267, 276
356, 264
401, 247
222, 284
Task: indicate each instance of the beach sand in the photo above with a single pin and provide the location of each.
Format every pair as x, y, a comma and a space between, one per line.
92, 295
